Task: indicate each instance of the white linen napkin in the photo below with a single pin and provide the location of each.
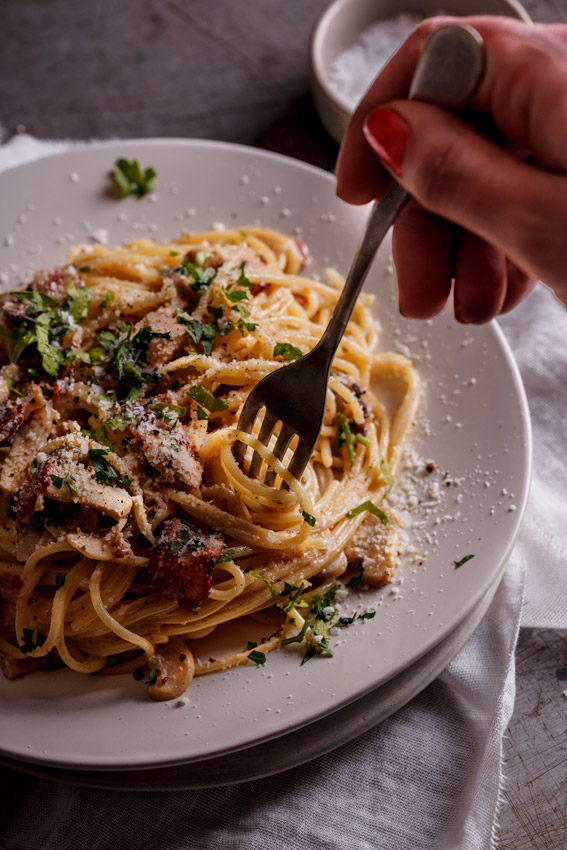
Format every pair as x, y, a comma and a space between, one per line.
429, 777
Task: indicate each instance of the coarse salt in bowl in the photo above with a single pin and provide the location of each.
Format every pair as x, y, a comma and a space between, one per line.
353, 40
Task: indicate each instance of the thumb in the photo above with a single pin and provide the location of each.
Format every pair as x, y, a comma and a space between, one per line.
458, 174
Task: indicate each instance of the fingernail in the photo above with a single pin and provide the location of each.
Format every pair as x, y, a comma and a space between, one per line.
388, 135
459, 315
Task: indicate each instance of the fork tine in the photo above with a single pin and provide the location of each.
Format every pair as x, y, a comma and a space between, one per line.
266, 430
245, 423
300, 458
284, 439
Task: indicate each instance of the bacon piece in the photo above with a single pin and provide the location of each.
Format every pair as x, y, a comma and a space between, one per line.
11, 418
54, 282
212, 261
161, 350
33, 489
171, 453
182, 563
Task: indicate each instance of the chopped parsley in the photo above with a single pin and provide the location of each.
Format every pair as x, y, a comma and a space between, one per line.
200, 277
64, 480
295, 599
343, 434
79, 300
142, 541
266, 581
309, 519
60, 580
109, 297
355, 581
189, 538
226, 556
112, 660
202, 333
321, 601
299, 637
371, 508
286, 351
104, 471
206, 402
152, 678
387, 474
161, 410
462, 561
258, 658
12, 388
130, 179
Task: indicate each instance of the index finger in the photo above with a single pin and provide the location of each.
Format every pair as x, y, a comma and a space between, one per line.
518, 102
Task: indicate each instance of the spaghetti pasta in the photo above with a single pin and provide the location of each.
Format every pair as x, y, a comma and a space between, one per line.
129, 531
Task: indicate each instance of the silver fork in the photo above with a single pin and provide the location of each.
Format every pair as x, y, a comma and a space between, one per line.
449, 69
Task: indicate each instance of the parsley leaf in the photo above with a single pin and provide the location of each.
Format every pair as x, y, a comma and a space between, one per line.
60, 480
344, 434
462, 561
201, 277
142, 541
258, 658
287, 351
129, 178
266, 581
355, 581
206, 401
152, 678
162, 408
104, 471
299, 637
320, 602
189, 538
79, 300
309, 519
60, 580
200, 332
371, 508
226, 556
387, 474
295, 599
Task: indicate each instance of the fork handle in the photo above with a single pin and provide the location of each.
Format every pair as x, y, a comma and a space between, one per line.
448, 71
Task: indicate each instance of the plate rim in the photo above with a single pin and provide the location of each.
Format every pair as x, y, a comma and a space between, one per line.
449, 626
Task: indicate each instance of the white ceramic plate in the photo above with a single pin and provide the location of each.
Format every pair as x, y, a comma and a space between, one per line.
475, 428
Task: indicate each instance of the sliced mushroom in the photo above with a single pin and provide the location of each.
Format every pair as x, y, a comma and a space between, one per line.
175, 667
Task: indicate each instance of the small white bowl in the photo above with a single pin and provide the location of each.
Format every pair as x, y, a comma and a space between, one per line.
340, 25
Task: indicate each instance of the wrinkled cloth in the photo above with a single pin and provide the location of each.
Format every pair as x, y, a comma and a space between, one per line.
429, 777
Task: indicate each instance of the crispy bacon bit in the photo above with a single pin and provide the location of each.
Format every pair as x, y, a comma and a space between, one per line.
122, 550
14, 309
212, 261
182, 563
262, 286
54, 282
171, 453
302, 249
11, 418
161, 350
27, 499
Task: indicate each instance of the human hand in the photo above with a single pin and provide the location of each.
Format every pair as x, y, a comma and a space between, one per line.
490, 214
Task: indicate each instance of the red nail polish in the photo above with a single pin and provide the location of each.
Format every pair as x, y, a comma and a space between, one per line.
388, 135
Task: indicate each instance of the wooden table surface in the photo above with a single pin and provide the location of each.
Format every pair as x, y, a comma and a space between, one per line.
238, 71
